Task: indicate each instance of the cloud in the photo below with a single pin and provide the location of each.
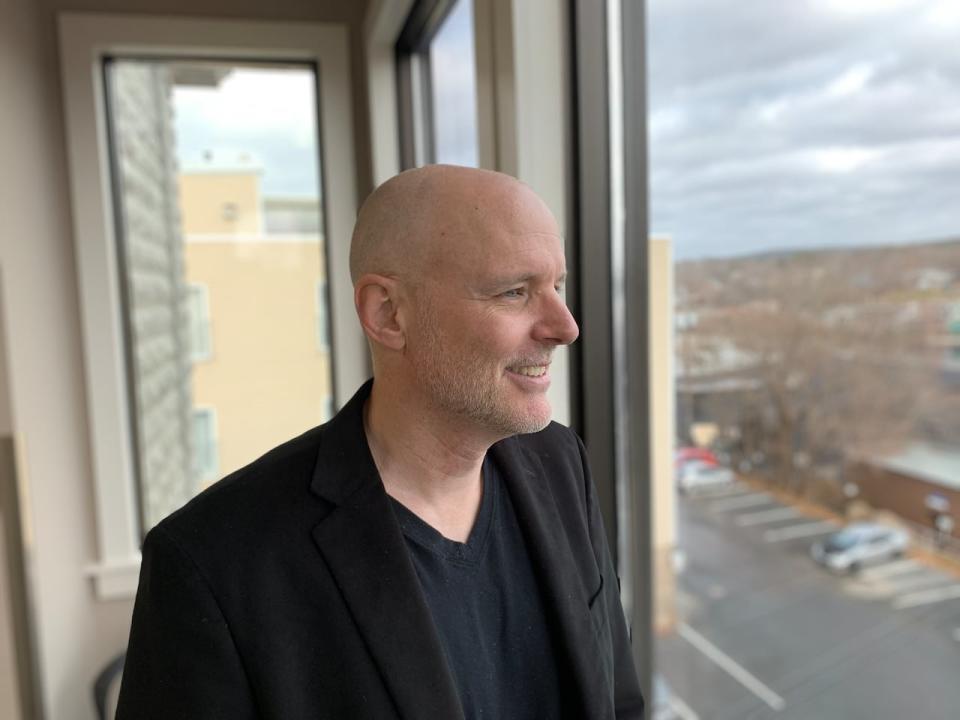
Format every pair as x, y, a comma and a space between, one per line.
802, 124
852, 81
841, 159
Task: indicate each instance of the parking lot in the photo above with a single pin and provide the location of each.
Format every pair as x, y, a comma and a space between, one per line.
763, 631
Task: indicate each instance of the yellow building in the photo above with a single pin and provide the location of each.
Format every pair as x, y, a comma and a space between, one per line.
258, 319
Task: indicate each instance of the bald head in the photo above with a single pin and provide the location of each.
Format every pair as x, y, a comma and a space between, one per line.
415, 217
458, 277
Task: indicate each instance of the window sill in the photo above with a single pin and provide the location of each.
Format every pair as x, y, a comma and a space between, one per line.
115, 580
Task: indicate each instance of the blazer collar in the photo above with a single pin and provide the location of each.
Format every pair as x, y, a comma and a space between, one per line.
363, 546
344, 464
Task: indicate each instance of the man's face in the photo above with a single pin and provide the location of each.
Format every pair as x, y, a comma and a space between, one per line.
488, 319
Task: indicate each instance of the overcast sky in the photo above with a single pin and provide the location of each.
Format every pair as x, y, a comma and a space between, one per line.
453, 77
803, 123
773, 123
266, 115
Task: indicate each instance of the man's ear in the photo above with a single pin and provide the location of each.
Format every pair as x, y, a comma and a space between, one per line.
376, 298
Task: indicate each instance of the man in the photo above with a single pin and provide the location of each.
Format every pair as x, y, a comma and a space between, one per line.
435, 551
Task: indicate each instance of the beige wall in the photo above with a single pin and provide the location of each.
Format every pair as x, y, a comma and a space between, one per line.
660, 259
267, 376
77, 633
204, 198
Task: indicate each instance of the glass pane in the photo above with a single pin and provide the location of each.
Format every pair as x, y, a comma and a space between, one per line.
804, 159
222, 249
454, 83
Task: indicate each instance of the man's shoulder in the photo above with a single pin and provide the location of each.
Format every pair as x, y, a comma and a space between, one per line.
271, 490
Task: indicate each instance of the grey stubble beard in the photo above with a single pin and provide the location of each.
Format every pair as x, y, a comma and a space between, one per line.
456, 383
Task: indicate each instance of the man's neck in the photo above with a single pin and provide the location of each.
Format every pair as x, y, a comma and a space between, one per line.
426, 462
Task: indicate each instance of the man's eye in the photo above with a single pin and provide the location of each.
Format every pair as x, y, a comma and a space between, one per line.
513, 293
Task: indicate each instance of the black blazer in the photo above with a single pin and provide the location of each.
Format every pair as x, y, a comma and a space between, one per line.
285, 591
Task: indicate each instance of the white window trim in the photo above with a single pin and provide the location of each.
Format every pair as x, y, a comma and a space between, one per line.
84, 40
382, 25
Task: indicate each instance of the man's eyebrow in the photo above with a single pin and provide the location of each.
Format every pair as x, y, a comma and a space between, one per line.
506, 281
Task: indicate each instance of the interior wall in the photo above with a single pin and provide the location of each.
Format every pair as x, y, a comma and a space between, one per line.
76, 633
10, 704
48, 412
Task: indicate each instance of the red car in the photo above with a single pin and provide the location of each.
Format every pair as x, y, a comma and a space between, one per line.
686, 454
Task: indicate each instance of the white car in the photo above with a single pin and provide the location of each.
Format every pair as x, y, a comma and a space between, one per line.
696, 475
860, 544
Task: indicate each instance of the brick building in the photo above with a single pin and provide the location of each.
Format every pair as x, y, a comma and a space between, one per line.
917, 483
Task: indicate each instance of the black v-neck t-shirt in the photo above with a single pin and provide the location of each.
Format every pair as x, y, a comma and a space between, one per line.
487, 607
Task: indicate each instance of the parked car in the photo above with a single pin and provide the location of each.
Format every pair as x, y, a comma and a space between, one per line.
697, 475
860, 544
683, 455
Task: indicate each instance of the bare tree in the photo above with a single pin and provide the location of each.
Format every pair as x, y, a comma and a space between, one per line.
835, 348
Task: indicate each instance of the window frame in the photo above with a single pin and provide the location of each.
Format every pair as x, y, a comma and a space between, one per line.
321, 306
418, 145
612, 401
85, 41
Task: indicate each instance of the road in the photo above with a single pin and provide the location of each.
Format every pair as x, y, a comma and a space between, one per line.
766, 633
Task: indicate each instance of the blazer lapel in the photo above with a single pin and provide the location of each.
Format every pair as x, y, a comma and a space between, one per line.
563, 591
364, 548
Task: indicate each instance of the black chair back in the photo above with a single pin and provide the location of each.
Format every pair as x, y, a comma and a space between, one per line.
105, 688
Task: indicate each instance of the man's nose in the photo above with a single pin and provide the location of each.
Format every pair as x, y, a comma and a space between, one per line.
557, 324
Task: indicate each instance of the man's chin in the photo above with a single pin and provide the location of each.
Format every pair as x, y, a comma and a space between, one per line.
535, 427
533, 419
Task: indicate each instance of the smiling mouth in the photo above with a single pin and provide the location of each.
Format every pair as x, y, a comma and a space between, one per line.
529, 370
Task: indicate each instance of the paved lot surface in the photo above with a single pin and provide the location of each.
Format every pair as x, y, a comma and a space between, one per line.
766, 633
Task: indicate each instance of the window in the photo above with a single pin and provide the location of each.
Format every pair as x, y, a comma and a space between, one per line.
205, 454
221, 136
143, 237
198, 304
799, 175
438, 84
453, 79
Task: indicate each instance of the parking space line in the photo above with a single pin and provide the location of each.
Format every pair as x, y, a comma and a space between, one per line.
792, 532
766, 516
902, 585
898, 567
736, 488
682, 710
731, 667
737, 503
927, 597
